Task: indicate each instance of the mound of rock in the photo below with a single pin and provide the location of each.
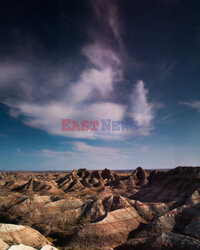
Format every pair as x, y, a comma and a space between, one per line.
17, 234
112, 230
164, 241
144, 209
3, 245
24, 247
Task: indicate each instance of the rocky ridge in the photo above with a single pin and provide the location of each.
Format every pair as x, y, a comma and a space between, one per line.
97, 209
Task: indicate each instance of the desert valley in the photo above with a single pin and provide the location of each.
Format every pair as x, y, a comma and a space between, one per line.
101, 209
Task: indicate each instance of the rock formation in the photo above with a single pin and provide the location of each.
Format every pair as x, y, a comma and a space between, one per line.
84, 209
17, 234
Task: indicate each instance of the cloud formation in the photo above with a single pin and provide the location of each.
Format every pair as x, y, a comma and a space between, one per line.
192, 104
43, 100
83, 153
142, 112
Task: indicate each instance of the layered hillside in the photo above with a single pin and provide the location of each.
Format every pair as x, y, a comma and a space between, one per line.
96, 209
18, 237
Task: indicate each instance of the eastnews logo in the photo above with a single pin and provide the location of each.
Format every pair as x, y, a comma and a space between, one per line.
103, 125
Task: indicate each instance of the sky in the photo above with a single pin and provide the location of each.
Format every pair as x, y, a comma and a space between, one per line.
135, 62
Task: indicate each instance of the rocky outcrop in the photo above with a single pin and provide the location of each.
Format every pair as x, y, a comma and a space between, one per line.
24, 247
3, 245
15, 234
40, 187
102, 208
140, 175
164, 241
113, 229
21, 247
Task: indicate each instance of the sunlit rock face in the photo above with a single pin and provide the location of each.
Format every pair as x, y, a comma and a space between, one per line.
19, 236
24, 247
101, 209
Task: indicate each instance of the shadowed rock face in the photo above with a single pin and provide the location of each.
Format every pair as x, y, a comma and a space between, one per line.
92, 209
171, 241
140, 174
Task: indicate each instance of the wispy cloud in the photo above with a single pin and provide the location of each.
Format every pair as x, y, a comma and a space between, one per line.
3, 135
83, 153
99, 152
166, 119
107, 15
166, 69
192, 104
43, 99
142, 112
48, 116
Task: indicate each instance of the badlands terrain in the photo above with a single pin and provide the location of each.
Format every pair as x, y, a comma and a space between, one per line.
101, 209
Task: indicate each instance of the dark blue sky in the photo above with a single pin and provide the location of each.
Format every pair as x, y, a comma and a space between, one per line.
127, 60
